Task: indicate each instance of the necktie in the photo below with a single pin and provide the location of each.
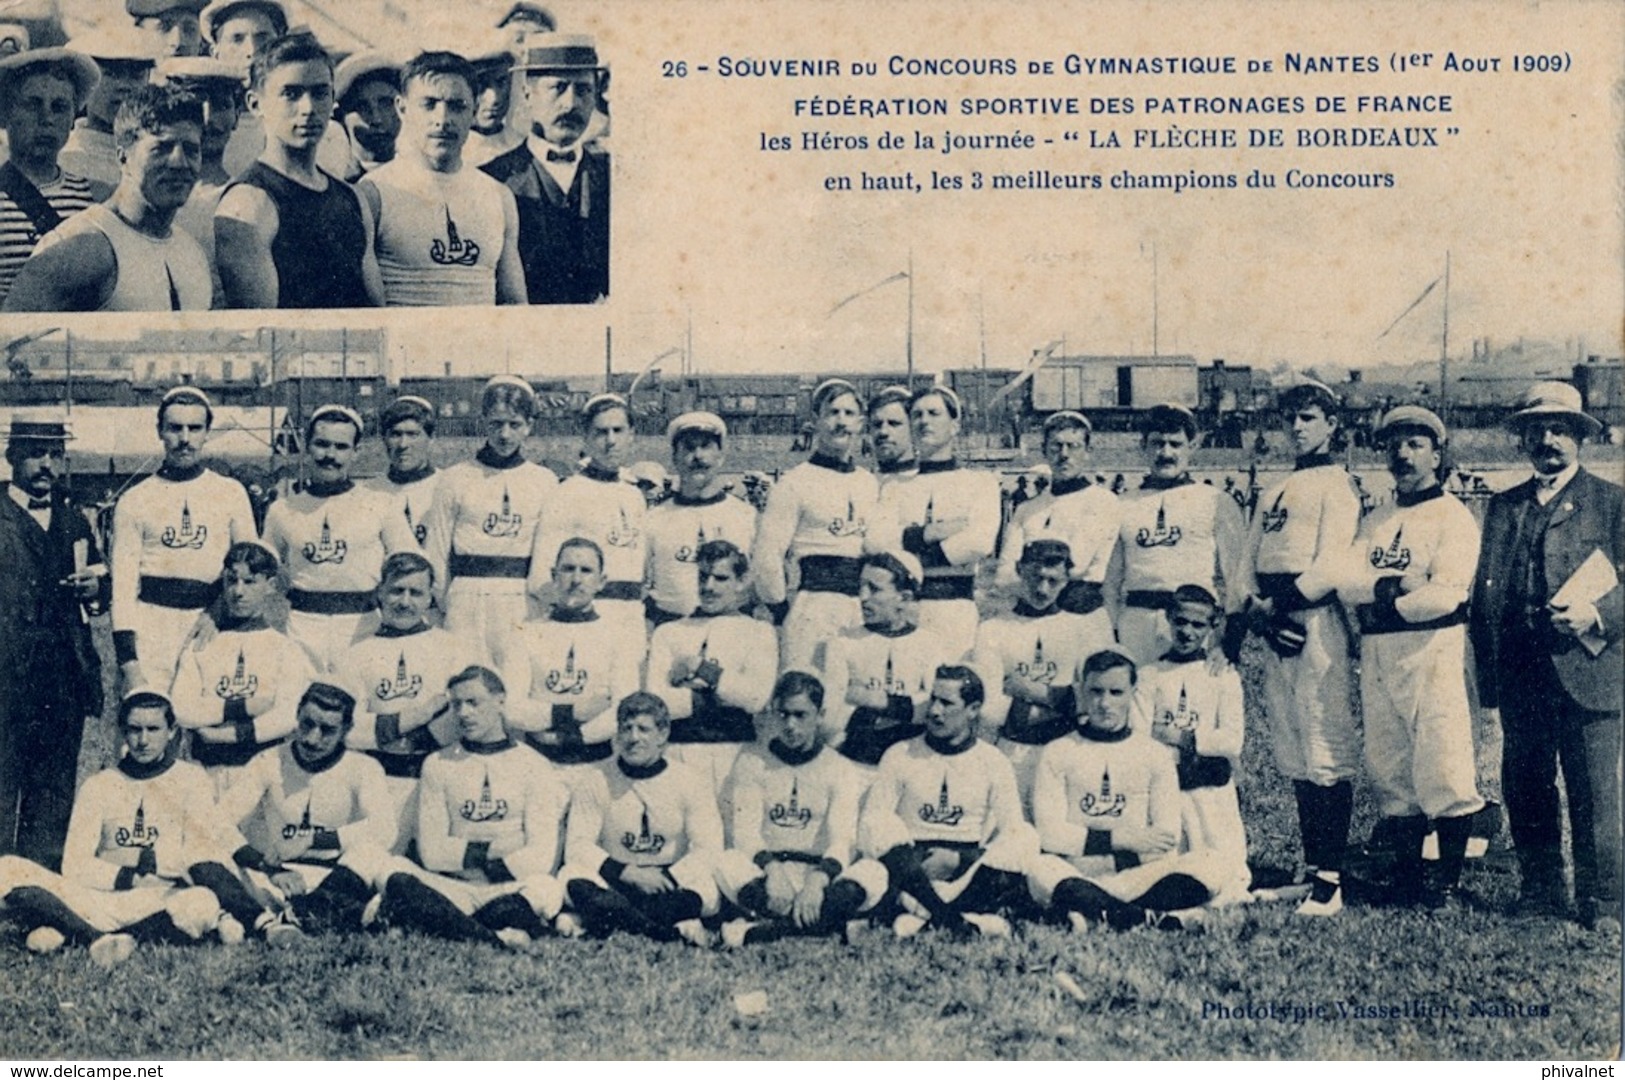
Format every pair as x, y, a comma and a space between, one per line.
561, 157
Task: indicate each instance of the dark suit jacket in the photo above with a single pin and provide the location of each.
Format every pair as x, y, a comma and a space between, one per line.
45, 643
1590, 515
563, 235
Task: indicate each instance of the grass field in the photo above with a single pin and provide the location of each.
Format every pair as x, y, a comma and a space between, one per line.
1475, 983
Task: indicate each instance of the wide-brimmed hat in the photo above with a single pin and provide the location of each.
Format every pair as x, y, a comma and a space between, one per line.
39, 426
361, 66
81, 70
119, 43
195, 69
1548, 399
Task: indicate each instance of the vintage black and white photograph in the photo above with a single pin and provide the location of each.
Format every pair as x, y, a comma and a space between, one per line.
1082, 531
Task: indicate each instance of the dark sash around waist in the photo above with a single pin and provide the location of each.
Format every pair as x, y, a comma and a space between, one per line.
402, 766
226, 754
714, 724
1201, 771
331, 603
1151, 599
949, 587
489, 566
182, 594
621, 590
1282, 588
1082, 597
1375, 621
572, 753
830, 573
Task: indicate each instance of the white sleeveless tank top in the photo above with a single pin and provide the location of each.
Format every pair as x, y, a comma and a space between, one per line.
153, 275
439, 235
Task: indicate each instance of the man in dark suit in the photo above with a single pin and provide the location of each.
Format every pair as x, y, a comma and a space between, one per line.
560, 177
50, 675
1555, 670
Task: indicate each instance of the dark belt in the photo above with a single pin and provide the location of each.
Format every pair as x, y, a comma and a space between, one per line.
867, 740
715, 724
658, 615
1282, 588
1082, 597
573, 754
182, 594
1373, 621
830, 573
331, 603
489, 566
1031, 725
1151, 599
621, 590
229, 754
403, 766
949, 587
1197, 771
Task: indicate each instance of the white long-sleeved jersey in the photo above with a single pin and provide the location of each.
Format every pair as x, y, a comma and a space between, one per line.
413, 498
1089, 787
1302, 530
1184, 697
485, 515
1429, 542
498, 794
399, 683
652, 816
801, 803
901, 665
676, 530
566, 674
247, 681
1084, 515
818, 508
602, 508
926, 793
1046, 647
746, 649
123, 811
337, 543
313, 816
1186, 534
940, 492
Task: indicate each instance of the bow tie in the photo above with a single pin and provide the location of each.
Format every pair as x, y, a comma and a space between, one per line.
39, 504
561, 157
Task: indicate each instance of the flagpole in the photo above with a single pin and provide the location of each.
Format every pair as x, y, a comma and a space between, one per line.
1444, 340
909, 341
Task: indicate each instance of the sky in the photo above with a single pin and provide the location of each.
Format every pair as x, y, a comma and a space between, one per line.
745, 250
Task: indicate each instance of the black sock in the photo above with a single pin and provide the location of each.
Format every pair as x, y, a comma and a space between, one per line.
410, 904
672, 907
511, 911
1308, 821
1093, 902
842, 902
335, 905
1176, 892
157, 929
34, 907
1337, 813
905, 864
753, 898
234, 897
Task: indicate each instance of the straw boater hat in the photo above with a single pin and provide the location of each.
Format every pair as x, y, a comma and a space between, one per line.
1412, 416
1548, 399
81, 70
148, 9
359, 67
221, 10
39, 425
191, 70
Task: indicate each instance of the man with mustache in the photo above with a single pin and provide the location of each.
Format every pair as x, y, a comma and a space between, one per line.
40, 92
333, 537
444, 234
126, 254
288, 234
1551, 662
889, 438
1409, 575
170, 533
1173, 532
559, 178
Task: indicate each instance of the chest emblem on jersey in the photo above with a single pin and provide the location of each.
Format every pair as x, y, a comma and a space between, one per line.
485, 808
326, 549
686, 554
137, 835
419, 530
1273, 520
240, 685
891, 684
403, 685
290, 831
850, 525
1039, 668
1160, 535
645, 841
505, 524
791, 815
453, 250
569, 680
623, 533
1394, 557
1181, 717
1106, 802
942, 812
190, 535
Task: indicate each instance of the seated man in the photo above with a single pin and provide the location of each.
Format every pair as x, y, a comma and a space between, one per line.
1028, 658
1197, 713
567, 671
714, 670
1106, 802
489, 817
944, 818
325, 813
140, 837
238, 690
396, 676
879, 676
792, 867
644, 836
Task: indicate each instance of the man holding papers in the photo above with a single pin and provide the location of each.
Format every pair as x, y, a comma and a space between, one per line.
1547, 620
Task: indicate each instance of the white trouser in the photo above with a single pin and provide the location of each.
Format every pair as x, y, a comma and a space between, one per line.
1143, 634
328, 637
735, 870
193, 910
695, 871
1418, 727
1313, 730
814, 619
953, 624
160, 633
486, 611
1125, 885
1211, 819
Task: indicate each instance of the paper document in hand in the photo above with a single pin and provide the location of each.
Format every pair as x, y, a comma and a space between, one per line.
1590, 581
